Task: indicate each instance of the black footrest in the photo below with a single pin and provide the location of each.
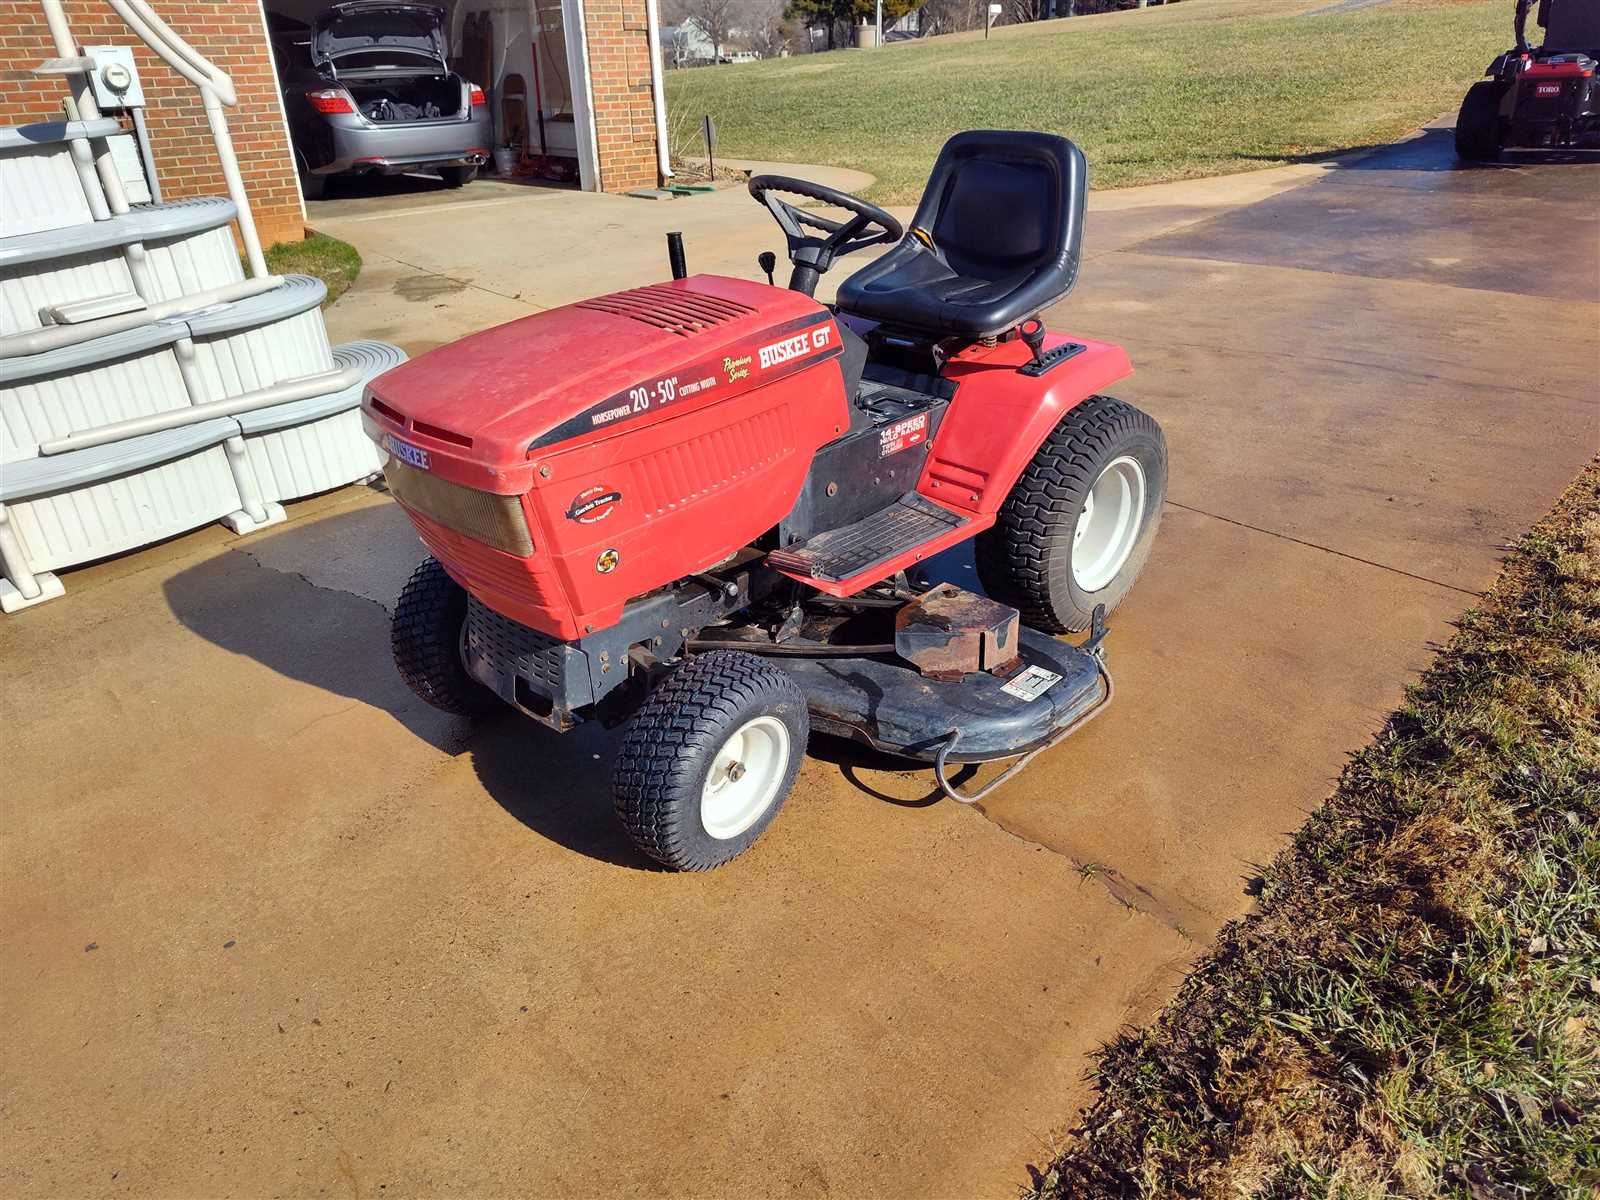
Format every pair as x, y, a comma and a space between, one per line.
841, 553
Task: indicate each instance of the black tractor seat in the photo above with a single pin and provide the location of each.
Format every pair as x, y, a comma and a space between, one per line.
995, 239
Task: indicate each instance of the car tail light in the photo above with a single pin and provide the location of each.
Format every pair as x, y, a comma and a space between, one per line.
495, 520
331, 100
478, 98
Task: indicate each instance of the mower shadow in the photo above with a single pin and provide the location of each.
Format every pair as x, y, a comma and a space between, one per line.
298, 622
556, 784
280, 599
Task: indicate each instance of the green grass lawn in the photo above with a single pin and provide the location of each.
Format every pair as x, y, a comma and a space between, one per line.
334, 262
1147, 99
1414, 1009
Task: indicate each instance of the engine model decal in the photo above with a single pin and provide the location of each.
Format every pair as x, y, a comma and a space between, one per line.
903, 435
594, 504
808, 341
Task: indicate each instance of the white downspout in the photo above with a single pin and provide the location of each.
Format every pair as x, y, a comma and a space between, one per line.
658, 95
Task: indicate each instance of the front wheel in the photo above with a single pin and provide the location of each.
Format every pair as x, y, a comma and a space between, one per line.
455, 177
709, 758
1478, 123
1077, 528
429, 620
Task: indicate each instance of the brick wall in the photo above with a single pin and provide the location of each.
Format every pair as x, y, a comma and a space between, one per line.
228, 32
619, 78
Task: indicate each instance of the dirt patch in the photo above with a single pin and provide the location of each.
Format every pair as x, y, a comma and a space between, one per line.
418, 288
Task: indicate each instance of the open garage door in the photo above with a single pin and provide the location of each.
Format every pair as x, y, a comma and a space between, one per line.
369, 92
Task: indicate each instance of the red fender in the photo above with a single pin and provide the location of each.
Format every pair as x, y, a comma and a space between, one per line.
1000, 417
995, 424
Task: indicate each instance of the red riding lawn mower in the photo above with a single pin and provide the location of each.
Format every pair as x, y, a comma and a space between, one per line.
1538, 99
702, 507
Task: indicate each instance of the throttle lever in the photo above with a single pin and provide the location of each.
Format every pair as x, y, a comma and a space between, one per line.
1032, 332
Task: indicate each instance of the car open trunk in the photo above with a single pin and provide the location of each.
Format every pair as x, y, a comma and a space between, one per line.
391, 55
407, 97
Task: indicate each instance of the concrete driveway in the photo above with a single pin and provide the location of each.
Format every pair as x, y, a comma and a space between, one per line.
273, 926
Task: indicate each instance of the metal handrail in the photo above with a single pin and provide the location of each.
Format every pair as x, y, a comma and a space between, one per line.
216, 91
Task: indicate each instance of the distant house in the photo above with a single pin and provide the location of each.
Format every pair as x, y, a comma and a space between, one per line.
906, 27
686, 45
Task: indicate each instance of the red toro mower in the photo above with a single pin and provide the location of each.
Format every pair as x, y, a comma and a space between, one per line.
1544, 98
701, 507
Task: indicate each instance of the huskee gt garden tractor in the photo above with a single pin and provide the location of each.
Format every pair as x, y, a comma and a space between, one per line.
700, 507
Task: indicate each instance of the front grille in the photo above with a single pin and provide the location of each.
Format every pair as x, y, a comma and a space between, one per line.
676, 310
537, 657
496, 521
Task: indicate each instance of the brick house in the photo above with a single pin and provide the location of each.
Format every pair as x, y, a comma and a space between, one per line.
595, 87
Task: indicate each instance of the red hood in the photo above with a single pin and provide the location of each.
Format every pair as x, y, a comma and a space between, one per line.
488, 397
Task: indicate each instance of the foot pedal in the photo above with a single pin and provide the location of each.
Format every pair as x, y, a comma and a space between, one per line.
842, 553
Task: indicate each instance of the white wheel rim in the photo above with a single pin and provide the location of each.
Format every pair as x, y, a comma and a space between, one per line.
745, 777
1108, 526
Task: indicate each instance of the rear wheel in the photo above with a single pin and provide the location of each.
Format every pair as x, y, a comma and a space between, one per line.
429, 621
709, 759
1478, 123
457, 176
1078, 525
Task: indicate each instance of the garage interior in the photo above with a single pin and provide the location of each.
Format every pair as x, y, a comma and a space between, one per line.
518, 52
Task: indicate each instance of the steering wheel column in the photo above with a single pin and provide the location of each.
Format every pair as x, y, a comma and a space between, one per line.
814, 240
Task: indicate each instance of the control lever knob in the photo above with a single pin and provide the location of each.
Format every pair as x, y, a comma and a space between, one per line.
1032, 331
768, 262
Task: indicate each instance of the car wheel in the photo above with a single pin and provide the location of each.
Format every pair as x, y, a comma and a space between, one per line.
313, 187
709, 759
1077, 528
429, 621
457, 176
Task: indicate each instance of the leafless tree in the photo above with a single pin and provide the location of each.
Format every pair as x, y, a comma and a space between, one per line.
762, 27
717, 19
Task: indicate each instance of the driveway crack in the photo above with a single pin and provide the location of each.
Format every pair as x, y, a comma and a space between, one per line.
1325, 549
1188, 920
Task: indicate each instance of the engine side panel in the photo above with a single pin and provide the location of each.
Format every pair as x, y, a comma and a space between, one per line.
618, 518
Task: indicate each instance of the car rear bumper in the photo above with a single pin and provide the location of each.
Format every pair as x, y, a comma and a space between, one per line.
408, 147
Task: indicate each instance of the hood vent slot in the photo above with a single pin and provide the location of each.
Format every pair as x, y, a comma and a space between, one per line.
675, 310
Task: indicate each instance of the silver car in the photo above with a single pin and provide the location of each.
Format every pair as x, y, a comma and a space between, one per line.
367, 87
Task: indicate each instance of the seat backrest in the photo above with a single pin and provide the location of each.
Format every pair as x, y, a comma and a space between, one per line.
1572, 25
1000, 203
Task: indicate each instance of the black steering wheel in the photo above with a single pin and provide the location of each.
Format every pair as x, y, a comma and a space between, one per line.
813, 253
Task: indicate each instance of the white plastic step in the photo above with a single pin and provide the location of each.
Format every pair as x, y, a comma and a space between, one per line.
101, 500
188, 245
239, 347
96, 308
39, 187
